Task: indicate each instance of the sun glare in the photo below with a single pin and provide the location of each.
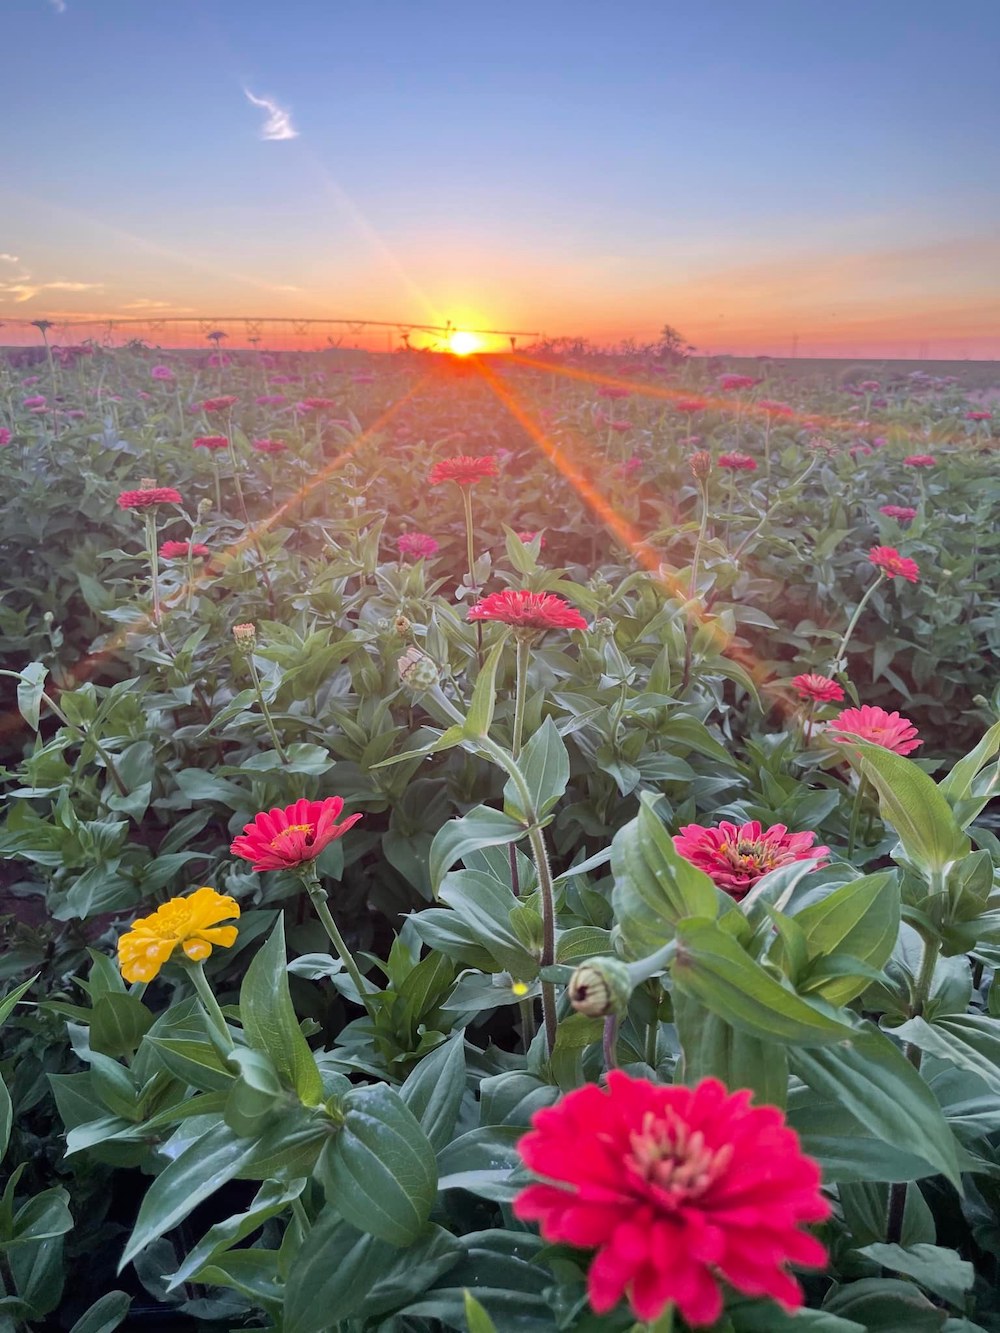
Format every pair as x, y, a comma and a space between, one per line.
462, 343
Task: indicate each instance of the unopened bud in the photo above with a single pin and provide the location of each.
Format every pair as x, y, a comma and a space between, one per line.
402, 626
417, 671
604, 627
600, 987
245, 636
701, 463
204, 505
48, 617
147, 483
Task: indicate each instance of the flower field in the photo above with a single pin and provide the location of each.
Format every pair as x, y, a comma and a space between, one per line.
497, 844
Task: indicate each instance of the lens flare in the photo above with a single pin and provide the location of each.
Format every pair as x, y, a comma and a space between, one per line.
461, 343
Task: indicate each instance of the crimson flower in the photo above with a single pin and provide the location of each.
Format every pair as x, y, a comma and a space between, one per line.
222, 404
421, 545
888, 559
464, 470
736, 856
316, 404
738, 462
148, 497
902, 513
5, 435
875, 725
729, 382
821, 689
210, 442
270, 446
530, 537
690, 405
920, 460
176, 550
678, 1190
270, 399
613, 391
775, 409
282, 839
522, 609
979, 416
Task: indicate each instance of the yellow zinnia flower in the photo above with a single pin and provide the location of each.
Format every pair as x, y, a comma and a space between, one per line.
190, 922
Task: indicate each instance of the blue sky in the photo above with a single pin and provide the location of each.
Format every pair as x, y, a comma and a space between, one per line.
744, 170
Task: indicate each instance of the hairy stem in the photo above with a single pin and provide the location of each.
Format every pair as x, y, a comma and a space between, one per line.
317, 895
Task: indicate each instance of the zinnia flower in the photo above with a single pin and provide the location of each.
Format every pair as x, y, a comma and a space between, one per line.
148, 497
222, 404
736, 856
774, 409
315, 404
678, 1189
161, 373
979, 416
875, 725
270, 446
522, 609
37, 401
270, 399
530, 537
888, 559
821, 689
690, 405
177, 550
738, 462
5, 435
613, 391
465, 470
190, 922
210, 442
421, 545
920, 460
282, 839
902, 513
729, 382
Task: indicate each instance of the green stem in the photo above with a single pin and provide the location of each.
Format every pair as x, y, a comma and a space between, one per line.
317, 895
154, 563
610, 1042
278, 747
652, 1041
918, 998
859, 797
210, 1004
520, 692
302, 1217
470, 551
693, 589
852, 625
109, 763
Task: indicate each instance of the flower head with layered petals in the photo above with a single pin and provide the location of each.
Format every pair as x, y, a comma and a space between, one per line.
901, 513
419, 545
820, 689
148, 497
888, 559
177, 550
738, 462
221, 404
210, 442
522, 609
920, 460
736, 856
190, 922
678, 1190
464, 469
270, 446
874, 724
282, 839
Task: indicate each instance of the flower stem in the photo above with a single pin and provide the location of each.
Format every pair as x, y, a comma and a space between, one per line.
154, 558
842, 646
278, 747
859, 797
210, 1004
610, 1042
696, 559
520, 692
470, 551
317, 895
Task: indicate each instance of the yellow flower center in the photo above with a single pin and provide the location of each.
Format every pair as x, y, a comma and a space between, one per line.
279, 839
675, 1160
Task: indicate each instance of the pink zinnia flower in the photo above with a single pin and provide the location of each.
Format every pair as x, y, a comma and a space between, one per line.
5, 435
148, 497
36, 402
419, 545
270, 446
464, 470
902, 513
690, 405
315, 404
522, 609
729, 382
270, 400
888, 559
979, 416
678, 1190
364, 377
738, 462
283, 839
210, 442
920, 460
178, 550
162, 373
613, 391
874, 724
774, 409
870, 386
821, 689
530, 537
222, 404
735, 856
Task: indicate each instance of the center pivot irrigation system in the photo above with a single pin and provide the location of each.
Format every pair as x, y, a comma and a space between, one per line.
255, 331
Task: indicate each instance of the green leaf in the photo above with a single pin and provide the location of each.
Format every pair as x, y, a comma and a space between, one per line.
713, 968
935, 1268
481, 827
30, 688
118, 1024
957, 786
713, 1049
11, 998
269, 1021
434, 1090
884, 1305
6, 1118
860, 919
476, 1317
379, 1170
968, 1041
875, 1083
196, 1063
544, 762
105, 1315
484, 695
256, 1096
654, 886
271, 1199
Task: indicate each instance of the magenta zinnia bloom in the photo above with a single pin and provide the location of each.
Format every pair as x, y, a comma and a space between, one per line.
888, 559
530, 537
875, 725
729, 382
283, 839
920, 460
902, 513
177, 550
979, 416
738, 462
464, 470
210, 442
775, 409
613, 391
736, 856
421, 545
690, 405
821, 689
522, 609
270, 446
161, 373
37, 401
148, 497
222, 404
678, 1190
5, 435
271, 399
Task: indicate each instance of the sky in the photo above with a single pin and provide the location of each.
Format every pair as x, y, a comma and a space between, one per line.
780, 177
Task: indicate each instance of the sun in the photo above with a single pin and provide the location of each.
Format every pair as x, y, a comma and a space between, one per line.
462, 343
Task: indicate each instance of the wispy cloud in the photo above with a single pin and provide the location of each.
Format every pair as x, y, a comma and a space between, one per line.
147, 304
278, 124
10, 259
23, 289
62, 285
58, 5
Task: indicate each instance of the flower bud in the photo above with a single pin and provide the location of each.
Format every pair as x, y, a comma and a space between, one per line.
48, 617
147, 483
701, 464
604, 627
417, 671
600, 987
245, 636
402, 626
204, 505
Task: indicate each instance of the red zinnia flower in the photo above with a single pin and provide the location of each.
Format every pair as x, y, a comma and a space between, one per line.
222, 404
979, 416
270, 446
874, 724
737, 856
465, 470
282, 839
175, 550
737, 382
530, 537
821, 689
270, 399
613, 391
678, 1189
316, 404
774, 409
418, 544
528, 610
690, 405
888, 559
148, 497
5, 435
903, 513
210, 442
920, 460
738, 462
